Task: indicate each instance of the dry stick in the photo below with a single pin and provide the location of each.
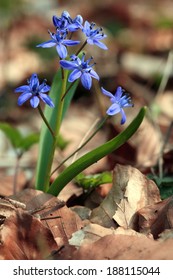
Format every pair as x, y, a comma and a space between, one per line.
84, 138
76, 151
166, 74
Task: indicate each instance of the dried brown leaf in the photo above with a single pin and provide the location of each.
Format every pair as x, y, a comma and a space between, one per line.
61, 220
24, 237
157, 217
131, 190
120, 247
93, 232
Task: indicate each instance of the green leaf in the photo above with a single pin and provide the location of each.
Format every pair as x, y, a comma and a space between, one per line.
12, 133
28, 141
93, 181
91, 157
46, 141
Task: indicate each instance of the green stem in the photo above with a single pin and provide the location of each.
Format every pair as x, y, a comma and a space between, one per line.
101, 123
67, 90
84, 44
45, 121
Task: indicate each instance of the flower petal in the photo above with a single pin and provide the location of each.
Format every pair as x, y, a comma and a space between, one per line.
23, 97
34, 101
70, 65
22, 88
56, 20
100, 44
74, 75
46, 99
107, 93
43, 88
86, 80
113, 109
47, 44
94, 74
123, 120
118, 93
34, 82
70, 42
61, 50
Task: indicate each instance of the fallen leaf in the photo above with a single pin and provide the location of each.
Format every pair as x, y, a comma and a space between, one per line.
157, 217
93, 232
60, 219
24, 237
120, 247
131, 190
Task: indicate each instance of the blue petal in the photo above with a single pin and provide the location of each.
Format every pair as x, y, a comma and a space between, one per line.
34, 101
118, 93
107, 93
47, 44
46, 99
62, 50
24, 97
78, 19
70, 65
123, 120
90, 41
86, 26
43, 88
86, 80
94, 74
100, 44
22, 88
56, 20
65, 14
34, 82
70, 42
74, 75
113, 109
100, 36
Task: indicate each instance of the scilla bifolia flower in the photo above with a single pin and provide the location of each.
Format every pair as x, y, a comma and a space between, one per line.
34, 91
81, 69
119, 101
66, 23
60, 42
94, 35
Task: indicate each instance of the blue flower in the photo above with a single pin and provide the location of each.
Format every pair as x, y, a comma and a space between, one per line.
60, 42
34, 91
94, 35
66, 23
81, 69
119, 101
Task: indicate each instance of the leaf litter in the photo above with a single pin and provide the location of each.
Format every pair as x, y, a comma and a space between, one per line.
132, 222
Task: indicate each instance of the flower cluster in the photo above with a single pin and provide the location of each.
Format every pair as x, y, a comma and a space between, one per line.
80, 66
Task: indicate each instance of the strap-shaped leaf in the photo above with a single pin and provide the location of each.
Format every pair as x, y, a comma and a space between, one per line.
47, 144
91, 157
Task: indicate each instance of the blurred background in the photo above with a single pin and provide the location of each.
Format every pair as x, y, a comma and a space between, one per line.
140, 59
